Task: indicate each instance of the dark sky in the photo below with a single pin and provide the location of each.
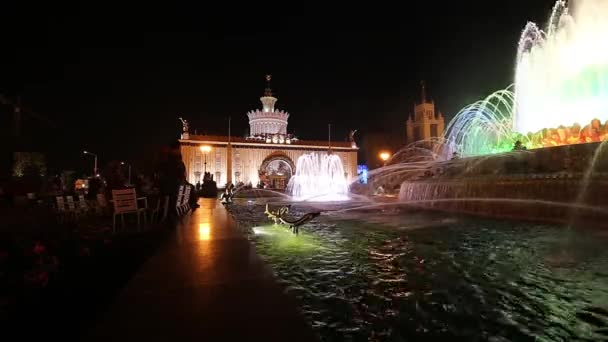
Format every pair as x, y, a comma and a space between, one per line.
114, 79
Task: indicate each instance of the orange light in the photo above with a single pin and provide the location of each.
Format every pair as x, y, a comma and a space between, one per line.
204, 231
384, 156
205, 148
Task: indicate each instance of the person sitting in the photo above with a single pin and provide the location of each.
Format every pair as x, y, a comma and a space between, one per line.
209, 187
193, 196
226, 197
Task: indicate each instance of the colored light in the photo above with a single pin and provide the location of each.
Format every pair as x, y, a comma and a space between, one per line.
384, 156
562, 76
362, 173
205, 148
560, 95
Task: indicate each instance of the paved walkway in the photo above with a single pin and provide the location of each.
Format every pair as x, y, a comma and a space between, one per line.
206, 284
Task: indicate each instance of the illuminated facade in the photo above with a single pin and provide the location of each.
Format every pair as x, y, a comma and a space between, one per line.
268, 121
425, 124
269, 154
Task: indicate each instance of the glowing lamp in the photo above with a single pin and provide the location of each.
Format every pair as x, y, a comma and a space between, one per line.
205, 148
384, 156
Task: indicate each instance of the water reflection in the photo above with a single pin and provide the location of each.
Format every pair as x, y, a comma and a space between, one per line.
204, 231
379, 275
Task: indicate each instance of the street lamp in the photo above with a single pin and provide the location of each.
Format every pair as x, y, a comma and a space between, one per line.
205, 149
95, 165
123, 163
384, 156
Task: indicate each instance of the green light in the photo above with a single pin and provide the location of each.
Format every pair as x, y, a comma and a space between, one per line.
282, 240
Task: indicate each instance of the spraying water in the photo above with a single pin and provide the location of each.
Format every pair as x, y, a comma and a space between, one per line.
319, 177
562, 73
560, 95
484, 127
582, 193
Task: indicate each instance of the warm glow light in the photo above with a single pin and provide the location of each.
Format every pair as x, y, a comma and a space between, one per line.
384, 156
205, 148
204, 231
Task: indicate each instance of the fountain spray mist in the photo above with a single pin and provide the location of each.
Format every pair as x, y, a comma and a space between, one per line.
319, 177
562, 72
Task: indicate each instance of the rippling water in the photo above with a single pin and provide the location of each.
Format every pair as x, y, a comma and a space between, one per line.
396, 275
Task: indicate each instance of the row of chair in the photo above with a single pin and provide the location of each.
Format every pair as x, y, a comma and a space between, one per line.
67, 208
124, 202
182, 205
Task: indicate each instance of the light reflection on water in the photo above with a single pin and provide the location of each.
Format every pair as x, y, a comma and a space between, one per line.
415, 275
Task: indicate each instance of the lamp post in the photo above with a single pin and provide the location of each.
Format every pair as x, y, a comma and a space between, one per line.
123, 163
205, 149
384, 156
95, 165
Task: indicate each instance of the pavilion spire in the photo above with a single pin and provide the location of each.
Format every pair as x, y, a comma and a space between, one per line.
268, 90
423, 91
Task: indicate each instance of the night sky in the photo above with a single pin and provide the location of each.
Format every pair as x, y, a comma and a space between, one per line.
115, 79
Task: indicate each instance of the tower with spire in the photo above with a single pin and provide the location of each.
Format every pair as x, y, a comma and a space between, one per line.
425, 123
268, 120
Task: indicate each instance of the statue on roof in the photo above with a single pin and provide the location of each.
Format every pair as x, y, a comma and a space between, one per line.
351, 136
185, 126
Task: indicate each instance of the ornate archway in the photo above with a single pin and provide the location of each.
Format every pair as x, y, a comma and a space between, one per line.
276, 170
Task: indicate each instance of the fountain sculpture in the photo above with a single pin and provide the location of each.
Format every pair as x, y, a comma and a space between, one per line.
319, 177
561, 83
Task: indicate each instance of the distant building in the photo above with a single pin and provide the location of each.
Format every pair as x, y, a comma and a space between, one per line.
425, 124
268, 155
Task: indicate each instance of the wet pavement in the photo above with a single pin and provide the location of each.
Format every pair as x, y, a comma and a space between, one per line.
206, 284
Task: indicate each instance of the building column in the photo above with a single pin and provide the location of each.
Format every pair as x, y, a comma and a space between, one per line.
229, 163
409, 127
426, 130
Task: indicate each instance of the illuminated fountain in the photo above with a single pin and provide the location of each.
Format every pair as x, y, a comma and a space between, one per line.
386, 270
562, 74
561, 83
319, 177
559, 98
484, 127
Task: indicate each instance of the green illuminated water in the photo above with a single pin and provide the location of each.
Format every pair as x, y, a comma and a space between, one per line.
397, 275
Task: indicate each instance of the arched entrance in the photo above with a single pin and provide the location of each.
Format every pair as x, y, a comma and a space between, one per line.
276, 170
